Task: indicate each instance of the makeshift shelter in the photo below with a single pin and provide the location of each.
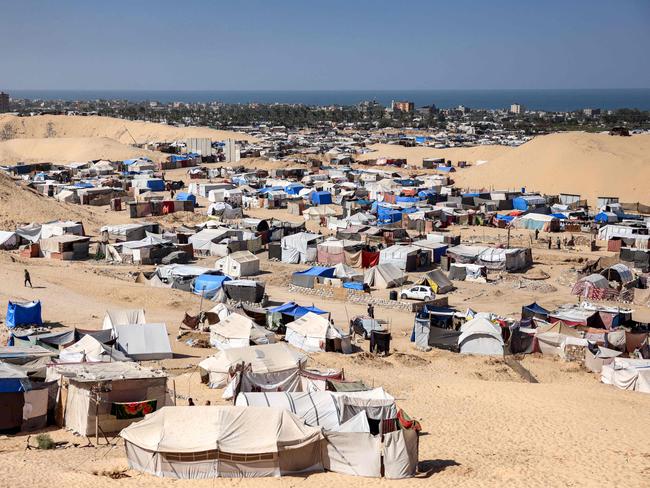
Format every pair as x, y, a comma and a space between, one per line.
90, 350
269, 367
206, 242
321, 198
237, 331
438, 282
309, 277
480, 336
535, 221
244, 290
534, 310
598, 357
219, 441
208, 285
8, 240
594, 287
278, 316
144, 342
468, 272
238, 264
23, 314
314, 333
406, 258
106, 397
627, 374
384, 276
65, 247
300, 247
123, 316
551, 338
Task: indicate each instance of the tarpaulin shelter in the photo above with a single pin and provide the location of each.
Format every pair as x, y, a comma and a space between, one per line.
244, 290
23, 313
95, 392
534, 310
627, 374
220, 441
90, 350
437, 280
300, 247
309, 277
123, 316
269, 367
144, 342
405, 257
551, 338
278, 316
8, 240
526, 202
535, 221
321, 198
208, 284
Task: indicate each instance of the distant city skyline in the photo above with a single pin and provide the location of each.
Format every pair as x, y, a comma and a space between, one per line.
334, 45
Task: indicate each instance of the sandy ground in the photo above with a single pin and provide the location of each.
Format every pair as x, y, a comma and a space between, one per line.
591, 165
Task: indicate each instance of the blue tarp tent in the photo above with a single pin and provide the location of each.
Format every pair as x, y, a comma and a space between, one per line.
26, 313
534, 310
505, 218
83, 185
308, 277
209, 284
293, 188
388, 215
264, 191
186, 197
353, 285
294, 310
155, 184
321, 198
406, 199
605, 217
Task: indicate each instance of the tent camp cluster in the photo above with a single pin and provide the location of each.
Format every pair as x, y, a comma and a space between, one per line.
612, 341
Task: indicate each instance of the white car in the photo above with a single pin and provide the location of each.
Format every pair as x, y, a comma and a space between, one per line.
417, 292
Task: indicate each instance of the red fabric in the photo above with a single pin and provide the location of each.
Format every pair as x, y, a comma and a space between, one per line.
369, 259
168, 207
407, 422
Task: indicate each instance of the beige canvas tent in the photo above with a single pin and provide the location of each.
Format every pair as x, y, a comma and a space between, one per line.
314, 333
219, 441
238, 331
91, 394
238, 264
384, 276
271, 365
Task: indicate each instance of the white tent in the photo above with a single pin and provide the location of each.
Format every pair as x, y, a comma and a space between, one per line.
300, 247
269, 364
238, 331
88, 349
123, 316
219, 441
143, 342
310, 332
384, 276
480, 336
206, 241
238, 264
627, 374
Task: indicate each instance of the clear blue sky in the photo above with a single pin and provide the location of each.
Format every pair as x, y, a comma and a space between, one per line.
332, 44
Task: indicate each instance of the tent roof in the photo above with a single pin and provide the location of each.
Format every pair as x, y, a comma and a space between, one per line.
479, 326
313, 325
235, 430
268, 358
235, 326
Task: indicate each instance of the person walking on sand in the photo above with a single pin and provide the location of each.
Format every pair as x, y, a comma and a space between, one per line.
28, 279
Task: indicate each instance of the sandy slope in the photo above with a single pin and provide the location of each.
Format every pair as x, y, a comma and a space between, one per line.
591, 165
414, 155
70, 149
124, 131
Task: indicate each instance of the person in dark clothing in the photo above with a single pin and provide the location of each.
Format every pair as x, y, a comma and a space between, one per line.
371, 311
549, 242
536, 233
28, 279
559, 244
190, 402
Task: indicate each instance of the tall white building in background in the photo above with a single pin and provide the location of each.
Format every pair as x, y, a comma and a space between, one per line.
517, 108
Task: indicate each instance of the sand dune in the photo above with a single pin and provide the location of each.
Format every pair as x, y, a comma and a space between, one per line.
589, 164
70, 149
414, 155
124, 131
